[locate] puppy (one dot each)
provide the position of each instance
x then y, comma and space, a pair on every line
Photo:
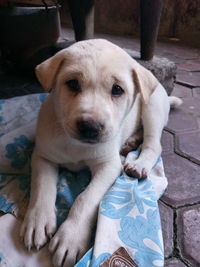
100, 97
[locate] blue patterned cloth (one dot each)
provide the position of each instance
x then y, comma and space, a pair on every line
128, 214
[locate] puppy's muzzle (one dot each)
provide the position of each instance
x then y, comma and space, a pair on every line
89, 131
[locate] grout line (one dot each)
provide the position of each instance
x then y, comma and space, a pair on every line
189, 87
180, 206
185, 84
177, 151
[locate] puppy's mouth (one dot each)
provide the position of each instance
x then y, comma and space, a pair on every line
89, 136
89, 141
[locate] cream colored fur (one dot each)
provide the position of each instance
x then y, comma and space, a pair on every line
97, 65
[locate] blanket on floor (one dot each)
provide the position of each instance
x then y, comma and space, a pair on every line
128, 218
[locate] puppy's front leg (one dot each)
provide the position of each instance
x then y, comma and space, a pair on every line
40, 219
72, 239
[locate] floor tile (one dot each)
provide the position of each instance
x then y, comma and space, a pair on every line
196, 92
180, 120
189, 65
191, 79
167, 142
183, 181
188, 223
174, 263
181, 91
191, 105
189, 145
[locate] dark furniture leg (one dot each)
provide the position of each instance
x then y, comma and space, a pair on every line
150, 12
82, 14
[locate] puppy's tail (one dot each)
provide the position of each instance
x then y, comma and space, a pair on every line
175, 101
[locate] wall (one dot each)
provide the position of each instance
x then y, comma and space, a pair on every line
180, 18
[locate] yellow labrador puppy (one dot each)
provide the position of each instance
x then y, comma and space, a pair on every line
100, 97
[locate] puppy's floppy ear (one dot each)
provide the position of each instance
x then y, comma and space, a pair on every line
47, 71
145, 82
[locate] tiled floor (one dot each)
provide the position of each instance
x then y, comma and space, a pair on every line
180, 205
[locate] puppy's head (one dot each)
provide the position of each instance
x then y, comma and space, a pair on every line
94, 84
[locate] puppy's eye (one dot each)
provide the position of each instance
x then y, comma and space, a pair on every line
73, 85
117, 90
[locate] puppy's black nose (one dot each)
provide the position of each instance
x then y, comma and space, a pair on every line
89, 129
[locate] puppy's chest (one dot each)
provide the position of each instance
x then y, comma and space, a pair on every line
67, 155
62, 153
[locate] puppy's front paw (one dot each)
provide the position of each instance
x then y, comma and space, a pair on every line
136, 169
39, 225
70, 243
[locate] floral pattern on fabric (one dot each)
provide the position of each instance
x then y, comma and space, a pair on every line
19, 152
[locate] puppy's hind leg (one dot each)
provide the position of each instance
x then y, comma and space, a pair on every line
132, 143
154, 117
